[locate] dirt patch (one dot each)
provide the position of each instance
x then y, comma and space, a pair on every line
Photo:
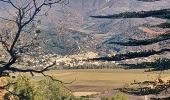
3, 81
88, 88
79, 94
150, 31
98, 91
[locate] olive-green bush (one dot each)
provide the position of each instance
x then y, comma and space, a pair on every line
24, 88
120, 96
48, 89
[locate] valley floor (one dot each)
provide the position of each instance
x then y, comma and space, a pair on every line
102, 82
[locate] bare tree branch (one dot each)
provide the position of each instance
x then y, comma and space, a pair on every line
25, 14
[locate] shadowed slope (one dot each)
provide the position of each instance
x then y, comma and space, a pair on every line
163, 14
131, 55
134, 42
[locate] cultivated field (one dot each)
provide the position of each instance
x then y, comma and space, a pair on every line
102, 80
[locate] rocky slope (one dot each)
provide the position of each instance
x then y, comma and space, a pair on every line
102, 31
83, 33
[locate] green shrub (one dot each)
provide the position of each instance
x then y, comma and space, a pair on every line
46, 89
21, 89
52, 90
105, 98
120, 96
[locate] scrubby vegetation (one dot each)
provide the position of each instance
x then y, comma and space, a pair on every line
23, 88
118, 96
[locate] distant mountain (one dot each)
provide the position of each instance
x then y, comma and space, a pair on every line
83, 33
100, 32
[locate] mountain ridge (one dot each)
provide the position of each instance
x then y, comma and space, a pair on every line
94, 34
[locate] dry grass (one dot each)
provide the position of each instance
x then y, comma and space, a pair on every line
96, 79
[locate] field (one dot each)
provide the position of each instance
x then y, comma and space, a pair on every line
101, 81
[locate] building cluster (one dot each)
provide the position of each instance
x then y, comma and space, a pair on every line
76, 61
68, 61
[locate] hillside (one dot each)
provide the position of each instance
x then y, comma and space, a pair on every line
100, 32
83, 33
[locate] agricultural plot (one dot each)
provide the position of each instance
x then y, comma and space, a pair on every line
102, 80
